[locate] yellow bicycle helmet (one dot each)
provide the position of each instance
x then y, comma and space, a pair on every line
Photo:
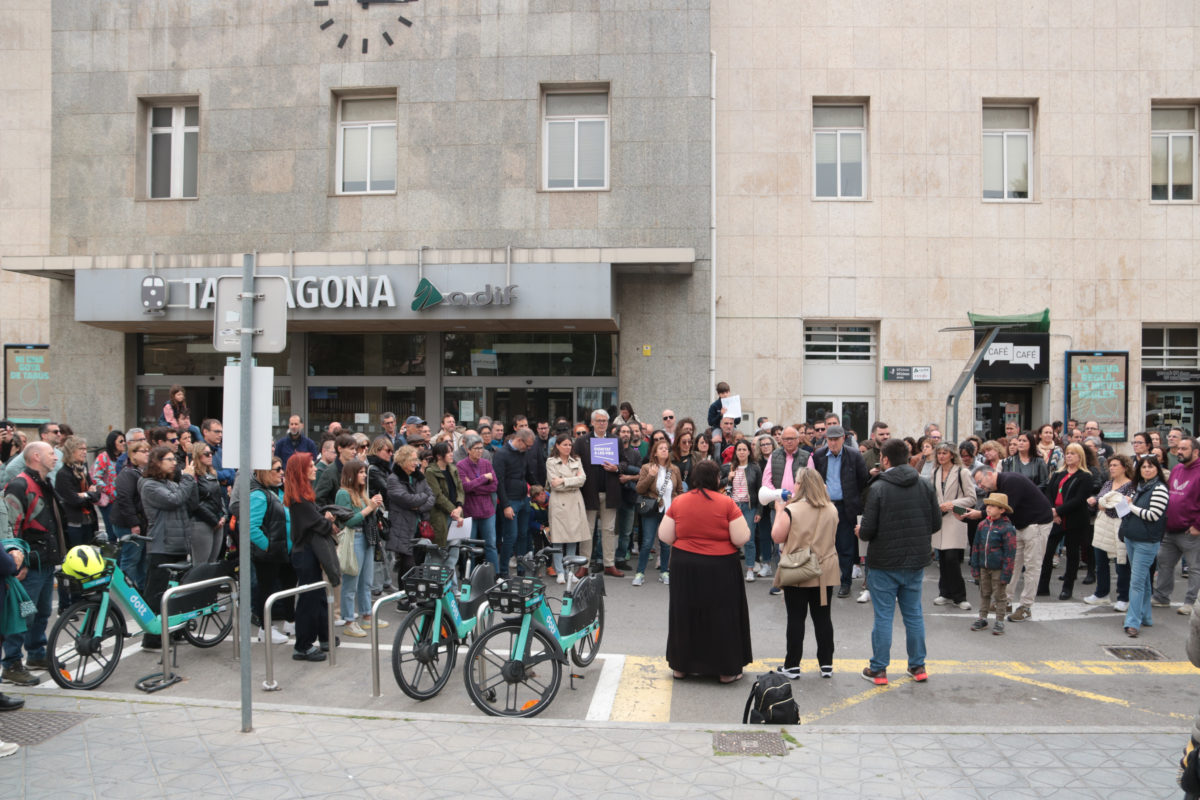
83, 562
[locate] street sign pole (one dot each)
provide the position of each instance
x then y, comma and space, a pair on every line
243, 487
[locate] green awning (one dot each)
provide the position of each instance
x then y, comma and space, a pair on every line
1037, 322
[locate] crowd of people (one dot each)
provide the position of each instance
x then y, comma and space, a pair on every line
669, 497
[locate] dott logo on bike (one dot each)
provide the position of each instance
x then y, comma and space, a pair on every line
140, 606
427, 296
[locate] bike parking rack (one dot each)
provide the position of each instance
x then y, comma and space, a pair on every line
387, 598
157, 681
269, 684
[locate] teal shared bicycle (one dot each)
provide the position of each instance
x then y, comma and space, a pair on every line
426, 644
86, 641
515, 668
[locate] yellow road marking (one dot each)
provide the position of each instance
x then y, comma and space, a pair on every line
1086, 695
1048, 667
645, 691
853, 700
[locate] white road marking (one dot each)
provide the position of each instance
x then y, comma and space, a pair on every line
600, 709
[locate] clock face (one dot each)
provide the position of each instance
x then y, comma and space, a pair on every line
380, 11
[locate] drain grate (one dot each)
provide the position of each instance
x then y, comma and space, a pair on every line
1135, 652
749, 744
35, 727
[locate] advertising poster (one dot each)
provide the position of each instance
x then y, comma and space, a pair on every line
27, 383
1097, 388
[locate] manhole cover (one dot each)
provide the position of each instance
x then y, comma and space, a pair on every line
35, 727
1135, 653
749, 744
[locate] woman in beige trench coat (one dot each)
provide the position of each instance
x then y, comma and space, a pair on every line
954, 486
568, 517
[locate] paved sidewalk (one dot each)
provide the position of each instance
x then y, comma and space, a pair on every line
174, 747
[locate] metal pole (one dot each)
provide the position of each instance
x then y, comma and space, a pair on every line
243, 488
269, 684
375, 639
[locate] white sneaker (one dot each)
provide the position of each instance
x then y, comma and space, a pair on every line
1120, 605
639, 579
1092, 600
766, 571
289, 628
276, 636
339, 622
791, 673
8, 748
560, 578
864, 597
354, 629
665, 579
856, 573
940, 601
964, 605
1184, 610
750, 576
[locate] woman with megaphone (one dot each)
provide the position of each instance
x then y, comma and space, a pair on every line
805, 528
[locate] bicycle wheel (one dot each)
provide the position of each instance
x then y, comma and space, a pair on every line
584, 651
502, 687
212, 628
420, 665
78, 658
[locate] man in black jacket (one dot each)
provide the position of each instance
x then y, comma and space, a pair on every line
846, 475
899, 517
631, 466
601, 494
1032, 517
513, 477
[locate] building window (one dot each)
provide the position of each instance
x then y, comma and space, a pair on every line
839, 151
843, 344
575, 140
1170, 348
1007, 152
366, 160
174, 149
1172, 153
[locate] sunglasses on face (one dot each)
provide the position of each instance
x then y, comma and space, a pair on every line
276, 469
668, 416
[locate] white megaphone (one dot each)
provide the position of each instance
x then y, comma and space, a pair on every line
768, 496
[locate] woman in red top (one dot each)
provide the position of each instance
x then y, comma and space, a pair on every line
708, 629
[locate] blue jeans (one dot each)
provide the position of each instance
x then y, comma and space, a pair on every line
749, 549
765, 548
356, 589
39, 584
888, 587
132, 559
625, 515
1141, 556
513, 533
485, 528
650, 523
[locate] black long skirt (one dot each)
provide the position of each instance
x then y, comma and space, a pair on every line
708, 622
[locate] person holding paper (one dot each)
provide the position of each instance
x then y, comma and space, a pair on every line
601, 493
1142, 529
448, 492
714, 411
1105, 542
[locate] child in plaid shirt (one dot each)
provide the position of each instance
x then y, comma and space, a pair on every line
992, 561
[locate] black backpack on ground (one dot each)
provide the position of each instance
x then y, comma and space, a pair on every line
771, 702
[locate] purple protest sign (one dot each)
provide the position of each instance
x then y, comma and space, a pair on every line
604, 451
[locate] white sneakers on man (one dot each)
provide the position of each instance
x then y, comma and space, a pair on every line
1092, 600
864, 597
276, 636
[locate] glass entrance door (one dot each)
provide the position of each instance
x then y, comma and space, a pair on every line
469, 403
997, 405
855, 413
1171, 406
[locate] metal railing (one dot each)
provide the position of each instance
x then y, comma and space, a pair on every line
153, 683
269, 684
387, 598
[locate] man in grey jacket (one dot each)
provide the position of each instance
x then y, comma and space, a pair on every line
899, 517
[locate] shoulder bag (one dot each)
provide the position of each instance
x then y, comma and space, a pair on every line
798, 566
347, 558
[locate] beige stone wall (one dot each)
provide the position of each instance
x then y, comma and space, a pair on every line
923, 248
24, 165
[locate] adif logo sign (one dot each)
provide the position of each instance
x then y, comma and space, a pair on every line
1030, 354
427, 296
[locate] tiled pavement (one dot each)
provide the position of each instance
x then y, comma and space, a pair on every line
171, 748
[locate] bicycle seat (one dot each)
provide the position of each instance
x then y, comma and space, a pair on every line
483, 577
575, 561
178, 566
